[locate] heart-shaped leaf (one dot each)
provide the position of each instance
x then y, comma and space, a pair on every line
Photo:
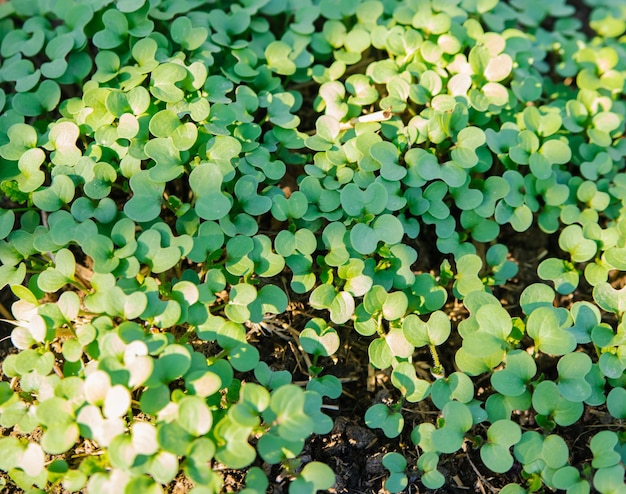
114, 32
501, 435
545, 327
53, 198
22, 137
45, 98
405, 379
609, 298
318, 338
189, 37
573, 368
163, 82
206, 181
513, 379
434, 332
380, 416
145, 204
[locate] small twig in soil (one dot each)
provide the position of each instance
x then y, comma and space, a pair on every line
58, 371
479, 484
459, 483
297, 355
269, 329
371, 379
85, 455
349, 395
480, 478
420, 412
296, 337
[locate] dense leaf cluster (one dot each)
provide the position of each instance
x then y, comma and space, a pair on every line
165, 163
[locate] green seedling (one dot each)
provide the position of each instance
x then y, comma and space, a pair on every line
396, 464
340, 304
380, 416
456, 421
562, 273
514, 379
550, 334
318, 339
615, 403
572, 383
431, 477
256, 481
501, 435
458, 386
315, 476
485, 344
542, 458
404, 378
553, 408
609, 299
603, 446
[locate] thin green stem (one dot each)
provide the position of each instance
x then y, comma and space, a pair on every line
437, 370
379, 325
80, 285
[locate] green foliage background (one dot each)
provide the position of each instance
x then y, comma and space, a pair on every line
164, 164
